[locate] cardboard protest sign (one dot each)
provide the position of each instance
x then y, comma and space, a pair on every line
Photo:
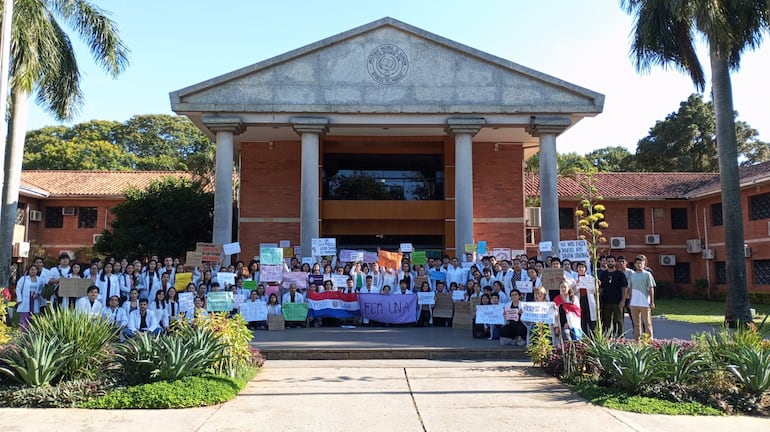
552, 278
537, 312
219, 301
419, 258
443, 307
271, 273
294, 311
418, 281
390, 260
254, 311
193, 259
297, 278
73, 287
276, 322
324, 246
208, 248
426, 298
463, 316
270, 255
490, 314
181, 280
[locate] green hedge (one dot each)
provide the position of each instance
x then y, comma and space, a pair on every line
191, 391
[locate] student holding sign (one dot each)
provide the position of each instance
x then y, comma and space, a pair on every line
514, 331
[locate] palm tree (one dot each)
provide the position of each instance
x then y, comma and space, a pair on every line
43, 61
664, 34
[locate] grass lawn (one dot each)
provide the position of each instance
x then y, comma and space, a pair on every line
698, 311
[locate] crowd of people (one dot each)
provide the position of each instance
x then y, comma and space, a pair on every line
143, 296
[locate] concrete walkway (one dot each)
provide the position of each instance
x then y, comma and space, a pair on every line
384, 395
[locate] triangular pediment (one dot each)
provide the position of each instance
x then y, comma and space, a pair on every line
387, 67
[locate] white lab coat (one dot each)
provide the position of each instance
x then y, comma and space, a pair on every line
84, 305
25, 287
110, 280
135, 319
117, 316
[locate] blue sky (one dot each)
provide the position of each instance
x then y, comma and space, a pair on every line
177, 43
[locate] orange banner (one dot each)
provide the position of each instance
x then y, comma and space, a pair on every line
391, 260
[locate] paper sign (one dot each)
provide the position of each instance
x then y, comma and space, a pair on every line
226, 279
437, 275
443, 306
406, 247
297, 278
426, 298
347, 255
370, 257
294, 311
587, 283
340, 281
261, 245
220, 301
511, 314
324, 246
490, 314
524, 287
272, 289
467, 265
390, 260
308, 260
288, 253
276, 322
186, 302
73, 287
231, 248
517, 252
501, 253
249, 285
271, 273
298, 251
482, 247
458, 295
545, 246
208, 248
181, 280
238, 300
254, 311
470, 248
537, 312
193, 259
284, 244
574, 250
552, 278
271, 255
419, 258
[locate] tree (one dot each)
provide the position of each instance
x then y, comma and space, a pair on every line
166, 219
664, 34
686, 141
80, 155
612, 159
43, 60
568, 163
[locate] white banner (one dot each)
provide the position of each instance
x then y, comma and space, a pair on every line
254, 311
574, 250
324, 246
490, 314
537, 312
524, 287
426, 298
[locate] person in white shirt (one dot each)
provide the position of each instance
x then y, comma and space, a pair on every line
108, 283
403, 288
369, 287
568, 272
63, 270
142, 321
455, 273
504, 276
115, 314
150, 280
90, 304
28, 289
293, 296
158, 307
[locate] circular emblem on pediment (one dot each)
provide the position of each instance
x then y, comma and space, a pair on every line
387, 64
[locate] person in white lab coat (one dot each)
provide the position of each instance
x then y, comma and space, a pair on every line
90, 304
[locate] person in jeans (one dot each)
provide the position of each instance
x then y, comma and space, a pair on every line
641, 291
612, 298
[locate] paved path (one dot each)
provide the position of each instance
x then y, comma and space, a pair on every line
384, 395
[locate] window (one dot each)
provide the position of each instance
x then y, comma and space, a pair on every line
682, 273
53, 217
635, 218
761, 272
678, 218
759, 206
716, 214
721, 272
87, 217
566, 218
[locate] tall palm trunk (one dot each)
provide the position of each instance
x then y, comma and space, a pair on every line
14, 154
737, 305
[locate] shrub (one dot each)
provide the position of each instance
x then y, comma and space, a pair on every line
569, 361
90, 336
678, 364
65, 395
233, 333
5, 334
539, 349
634, 366
37, 361
751, 369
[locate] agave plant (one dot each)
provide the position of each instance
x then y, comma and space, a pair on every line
751, 369
634, 366
37, 361
679, 365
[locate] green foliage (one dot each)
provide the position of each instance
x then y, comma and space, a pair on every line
166, 219
187, 392
633, 367
66, 394
35, 360
236, 337
89, 335
540, 347
612, 159
191, 351
5, 334
680, 365
614, 399
751, 369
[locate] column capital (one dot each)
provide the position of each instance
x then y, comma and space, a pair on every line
224, 124
464, 125
316, 125
539, 125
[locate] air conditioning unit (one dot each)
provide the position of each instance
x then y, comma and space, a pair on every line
652, 239
96, 238
68, 211
21, 249
694, 246
533, 216
707, 254
746, 251
617, 242
668, 260
35, 215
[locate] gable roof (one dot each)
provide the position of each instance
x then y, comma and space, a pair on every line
631, 186
96, 184
334, 75
749, 175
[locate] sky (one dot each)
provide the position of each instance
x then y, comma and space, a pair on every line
176, 43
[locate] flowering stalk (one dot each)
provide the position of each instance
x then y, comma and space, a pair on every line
591, 222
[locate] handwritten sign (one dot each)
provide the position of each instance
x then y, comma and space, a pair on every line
271, 272
340, 281
443, 306
347, 255
458, 295
437, 275
537, 312
524, 287
426, 298
298, 278
324, 246
226, 279
193, 259
181, 280
249, 285
254, 311
406, 247
272, 289
552, 278
419, 258
470, 248
220, 301
73, 287
284, 243
271, 255
208, 248
511, 314
482, 247
490, 314
294, 311
231, 248
545, 246
370, 257
574, 250
186, 302
501, 253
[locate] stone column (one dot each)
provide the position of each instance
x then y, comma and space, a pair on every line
463, 130
310, 129
547, 128
224, 128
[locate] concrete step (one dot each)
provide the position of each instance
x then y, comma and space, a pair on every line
502, 353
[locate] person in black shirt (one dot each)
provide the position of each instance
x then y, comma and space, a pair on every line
612, 297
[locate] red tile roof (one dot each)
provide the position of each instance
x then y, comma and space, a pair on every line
754, 173
100, 184
630, 185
